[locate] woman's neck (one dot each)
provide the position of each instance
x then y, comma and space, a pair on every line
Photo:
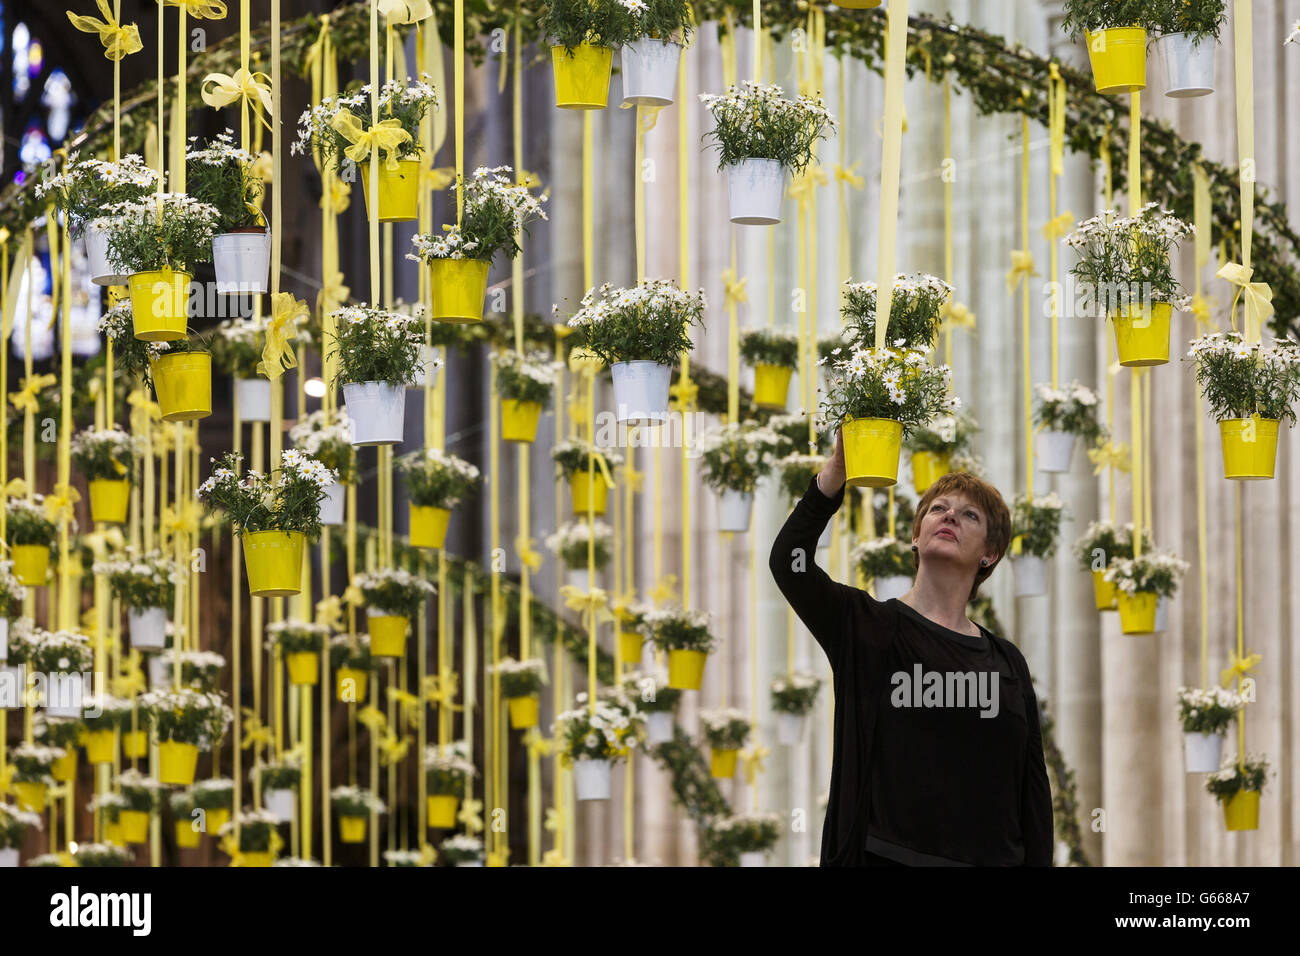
941, 596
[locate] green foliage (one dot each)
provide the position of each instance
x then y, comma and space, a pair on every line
889, 384
130, 355
1249, 774
282, 775
350, 651
734, 456
140, 580
437, 479
187, 716
677, 629
1037, 522
355, 802
221, 175
796, 471
1239, 380
645, 323
884, 557
528, 378
914, 312
519, 678
394, 591
1103, 540
407, 102
497, 210
217, 793
286, 500
770, 347
727, 837
795, 693
103, 454
328, 439
235, 350
570, 23
1124, 262
755, 121
1208, 710
161, 231
1082, 16
25, 522
13, 826
946, 435
85, 188
294, 636
574, 455
372, 345
1071, 409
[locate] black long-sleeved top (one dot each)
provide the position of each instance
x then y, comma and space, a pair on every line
924, 785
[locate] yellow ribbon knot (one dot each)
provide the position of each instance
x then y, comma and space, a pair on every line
594, 602
957, 315
684, 399
1022, 267
538, 746
392, 748
803, 184
27, 399
337, 193
438, 177
1201, 311
385, 136
1056, 228
1238, 666
636, 479
333, 294
200, 9
441, 693
329, 612
128, 684
102, 541
752, 760
733, 289
409, 704
404, 11
255, 734
531, 559
1259, 297
1108, 454
428, 855
180, 521
665, 590
553, 821
58, 506
849, 175
373, 719
469, 814
17, 488
119, 41
354, 596
277, 352
254, 88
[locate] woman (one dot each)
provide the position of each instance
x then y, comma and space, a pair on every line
938, 757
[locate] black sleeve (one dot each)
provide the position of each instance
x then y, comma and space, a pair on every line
1036, 794
821, 603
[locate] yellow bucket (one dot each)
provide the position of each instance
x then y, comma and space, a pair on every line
176, 762
457, 288
1104, 591
109, 499
274, 562
183, 383
523, 711
685, 669
871, 450
356, 690
722, 763
65, 768
387, 635
1119, 59
1145, 342
519, 420
928, 467
135, 826
160, 304
429, 526
187, 838
303, 667
1249, 447
629, 643
31, 796
1241, 811
858, 4
216, 819
771, 385
1137, 612
31, 563
442, 810
589, 494
399, 190
582, 79
99, 746
255, 858
352, 829
113, 833
135, 744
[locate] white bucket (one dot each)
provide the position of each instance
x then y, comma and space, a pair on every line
659, 727
641, 392
8, 858
4, 638
331, 507
734, 508
1030, 574
148, 626
892, 586
758, 858
577, 578
650, 71
377, 411
242, 261
1162, 615
1202, 752
254, 398
281, 803
426, 372
63, 695
755, 188
471, 863
161, 668
96, 239
1188, 66
1054, 450
591, 779
13, 686
789, 728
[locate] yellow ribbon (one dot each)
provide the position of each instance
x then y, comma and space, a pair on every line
353, 595
386, 136
956, 315
373, 718
530, 557
128, 684
636, 479
1237, 666
200, 9
329, 612
1022, 267
58, 506
1108, 454
17, 488
439, 695
538, 746
1201, 311
336, 193
469, 815
223, 89
595, 602
408, 703
27, 400
392, 748
1056, 228
404, 11
665, 589
1259, 297
278, 352
752, 760
733, 289
623, 607
119, 41
553, 820
438, 177
333, 294
182, 521
143, 410
255, 733
684, 395
849, 175
101, 542
428, 855
803, 184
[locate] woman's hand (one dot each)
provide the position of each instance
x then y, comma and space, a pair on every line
831, 478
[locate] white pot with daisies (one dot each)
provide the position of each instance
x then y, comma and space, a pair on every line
793, 698
570, 543
1187, 40
1064, 414
237, 353
376, 352
1206, 715
888, 563
733, 457
222, 175
655, 702
763, 138
593, 739
639, 333
145, 583
744, 838
327, 437
1035, 525
652, 34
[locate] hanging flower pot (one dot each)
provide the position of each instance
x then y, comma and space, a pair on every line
1249, 447
429, 526
352, 829
147, 627
659, 727
255, 858
629, 645
771, 385
350, 685
582, 76
1142, 334
1241, 812
591, 779
685, 669
1162, 615
1103, 591
441, 810
63, 695
187, 838
377, 411
162, 670
589, 494
304, 668
399, 190
387, 634
31, 796
641, 391
649, 68
722, 763
1188, 64
1030, 575
789, 728
242, 260
519, 420
734, 508
99, 746
109, 499
160, 304
523, 711
177, 762
135, 744
331, 506
1119, 59
1202, 752
871, 450
755, 189
135, 826
101, 270
31, 563
757, 857
927, 468
253, 396
218, 817
273, 560
1137, 611
65, 768
183, 384
1054, 450
457, 288
281, 801
892, 586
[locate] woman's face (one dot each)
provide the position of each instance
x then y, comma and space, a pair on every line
954, 530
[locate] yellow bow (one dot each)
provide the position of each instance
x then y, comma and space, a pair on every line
373, 718
554, 857
1259, 297
392, 748
752, 759
684, 395
58, 506
1238, 666
408, 703
849, 175
277, 352
386, 136
594, 602
26, 400
200, 9
733, 289
531, 559
1056, 228
1022, 267
354, 596
634, 479
255, 734
119, 41
440, 693
339, 194
404, 11
428, 855
316, 51
329, 611
1201, 311
180, 521
553, 820
439, 177
956, 315
665, 590
802, 184
143, 411
538, 746
128, 684
17, 488
222, 89
496, 858
469, 815
102, 541
623, 607
333, 294
1107, 454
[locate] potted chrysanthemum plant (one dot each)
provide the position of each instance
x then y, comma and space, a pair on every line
145, 583
143, 796
1064, 414
101, 854
576, 460
1035, 524
685, 635
592, 737
353, 806
744, 838
181, 372
1237, 785
887, 562
1101, 544
280, 780
762, 138
915, 312
1116, 35
187, 721
496, 210
639, 333
524, 385
1124, 274
12, 595
582, 35
222, 175
327, 436
436, 481
733, 457
350, 658
726, 730
103, 716
1249, 388
655, 703
182, 806
30, 536
1140, 583
104, 457
937, 446
216, 798
32, 779
274, 515
14, 824
258, 840
461, 850
447, 770
570, 544
65, 658
392, 596
793, 697
132, 357
64, 733
651, 34
236, 352
377, 353
521, 683
300, 643
1206, 714
201, 669
774, 354
1187, 36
